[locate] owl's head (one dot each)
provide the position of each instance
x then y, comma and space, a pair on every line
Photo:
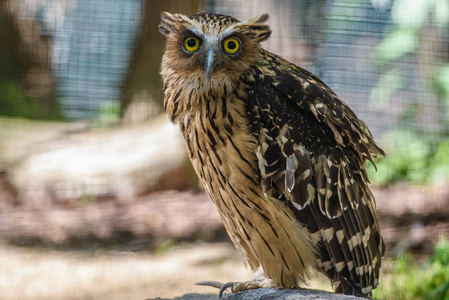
210, 45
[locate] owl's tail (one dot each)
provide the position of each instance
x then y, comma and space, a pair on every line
345, 287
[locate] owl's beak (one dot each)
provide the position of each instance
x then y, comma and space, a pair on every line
210, 63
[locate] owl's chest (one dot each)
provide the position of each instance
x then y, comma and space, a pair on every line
222, 151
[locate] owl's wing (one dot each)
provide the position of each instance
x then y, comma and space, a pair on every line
312, 153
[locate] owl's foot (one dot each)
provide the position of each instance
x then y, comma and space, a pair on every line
233, 286
257, 281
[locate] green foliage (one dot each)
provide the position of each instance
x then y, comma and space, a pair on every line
167, 245
388, 84
410, 157
439, 163
408, 17
395, 45
109, 114
441, 85
15, 103
407, 280
13, 100
412, 154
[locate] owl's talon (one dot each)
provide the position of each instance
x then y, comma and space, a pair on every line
224, 287
215, 284
259, 280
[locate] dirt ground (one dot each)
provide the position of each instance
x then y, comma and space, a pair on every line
38, 274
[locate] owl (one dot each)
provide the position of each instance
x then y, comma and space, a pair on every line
280, 155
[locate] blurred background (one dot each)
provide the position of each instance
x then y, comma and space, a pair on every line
97, 196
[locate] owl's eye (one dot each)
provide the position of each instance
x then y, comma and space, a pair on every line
231, 45
191, 44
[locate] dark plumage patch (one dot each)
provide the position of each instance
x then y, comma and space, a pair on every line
292, 109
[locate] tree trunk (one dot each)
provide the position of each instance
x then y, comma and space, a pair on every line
142, 89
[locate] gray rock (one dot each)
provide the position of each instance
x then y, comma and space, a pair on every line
270, 294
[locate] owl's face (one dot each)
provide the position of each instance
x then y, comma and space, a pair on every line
211, 46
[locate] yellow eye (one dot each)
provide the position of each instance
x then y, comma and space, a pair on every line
191, 43
231, 45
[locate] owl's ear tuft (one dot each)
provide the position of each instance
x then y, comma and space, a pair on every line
255, 29
167, 20
259, 19
172, 23
257, 32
